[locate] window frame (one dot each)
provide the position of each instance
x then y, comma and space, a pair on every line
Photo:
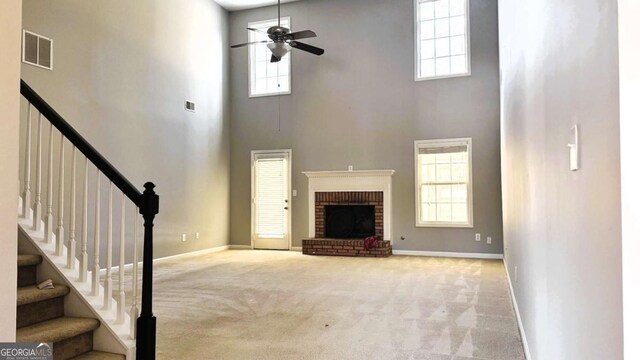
256, 24
416, 40
24, 44
419, 144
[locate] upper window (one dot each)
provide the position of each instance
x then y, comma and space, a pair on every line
267, 78
442, 36
443, 183
37, 50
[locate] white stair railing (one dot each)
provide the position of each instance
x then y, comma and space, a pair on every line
42, 214
85, 266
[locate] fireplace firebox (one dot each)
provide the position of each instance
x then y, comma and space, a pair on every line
350, 221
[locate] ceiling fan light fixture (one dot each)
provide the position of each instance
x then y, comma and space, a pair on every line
279, 49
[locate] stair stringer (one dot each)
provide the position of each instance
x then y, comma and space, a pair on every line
111, 336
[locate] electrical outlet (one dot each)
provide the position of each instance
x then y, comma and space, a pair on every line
197, 235
184, 237
478, 237
295, 192
489, 240
516, 271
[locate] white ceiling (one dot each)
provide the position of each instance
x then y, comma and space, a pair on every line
234, 5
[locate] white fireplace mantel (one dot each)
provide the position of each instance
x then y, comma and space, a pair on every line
356, 180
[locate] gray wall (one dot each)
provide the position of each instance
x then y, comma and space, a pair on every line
122, 70
9, 111
559, 62
359, 105
628, 29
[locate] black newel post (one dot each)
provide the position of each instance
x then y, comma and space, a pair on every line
146, 325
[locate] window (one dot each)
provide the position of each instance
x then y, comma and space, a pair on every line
444, 183
267, 78
37, 50
442, 39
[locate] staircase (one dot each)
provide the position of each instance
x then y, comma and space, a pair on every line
55, 222
41, 319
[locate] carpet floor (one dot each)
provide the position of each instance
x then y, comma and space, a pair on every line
276, 305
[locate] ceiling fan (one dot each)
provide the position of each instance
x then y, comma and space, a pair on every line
282, 40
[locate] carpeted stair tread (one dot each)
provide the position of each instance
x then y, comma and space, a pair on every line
31, 294
56, 330
99, 355
29, 260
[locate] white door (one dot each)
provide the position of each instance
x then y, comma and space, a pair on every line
270, 199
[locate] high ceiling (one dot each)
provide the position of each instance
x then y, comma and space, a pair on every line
234, 5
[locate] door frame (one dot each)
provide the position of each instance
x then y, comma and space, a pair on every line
289, 153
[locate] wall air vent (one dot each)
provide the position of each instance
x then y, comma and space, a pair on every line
190, 106
37, 50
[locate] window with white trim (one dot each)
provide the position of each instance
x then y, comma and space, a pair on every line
37, 50
267, 78
444, 183
442, 39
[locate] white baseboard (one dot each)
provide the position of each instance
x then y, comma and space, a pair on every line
448, 254
240, 247
525, 344
296, 248
172, 257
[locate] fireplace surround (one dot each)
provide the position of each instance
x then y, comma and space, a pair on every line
351, 192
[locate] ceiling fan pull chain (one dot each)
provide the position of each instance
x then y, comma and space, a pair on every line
278, 13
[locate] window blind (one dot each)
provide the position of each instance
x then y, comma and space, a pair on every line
270, 197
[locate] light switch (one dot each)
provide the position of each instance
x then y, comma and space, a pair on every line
295, 192
574, 147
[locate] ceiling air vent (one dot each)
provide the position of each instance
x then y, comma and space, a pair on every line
37, 50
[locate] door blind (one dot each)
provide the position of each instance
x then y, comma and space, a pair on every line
270, 175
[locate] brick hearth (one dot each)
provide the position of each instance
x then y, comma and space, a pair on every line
335, 247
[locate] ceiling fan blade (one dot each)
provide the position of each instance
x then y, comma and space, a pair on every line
247, 44
301, 35
305, 47
275, 59
257, 30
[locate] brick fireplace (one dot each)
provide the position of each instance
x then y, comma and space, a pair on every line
355, 198
344, 208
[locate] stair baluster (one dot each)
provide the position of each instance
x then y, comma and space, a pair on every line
71, 250
134, 281
60, 229
26, 194
37, 205
108, 282
95, 275
121, 295
48, 219
84, 257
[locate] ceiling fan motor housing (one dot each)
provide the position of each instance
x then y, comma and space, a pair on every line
277, 32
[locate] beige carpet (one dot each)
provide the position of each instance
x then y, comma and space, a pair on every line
283, 305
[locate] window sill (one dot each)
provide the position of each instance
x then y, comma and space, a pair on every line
445, 225
419, 79
269, 94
